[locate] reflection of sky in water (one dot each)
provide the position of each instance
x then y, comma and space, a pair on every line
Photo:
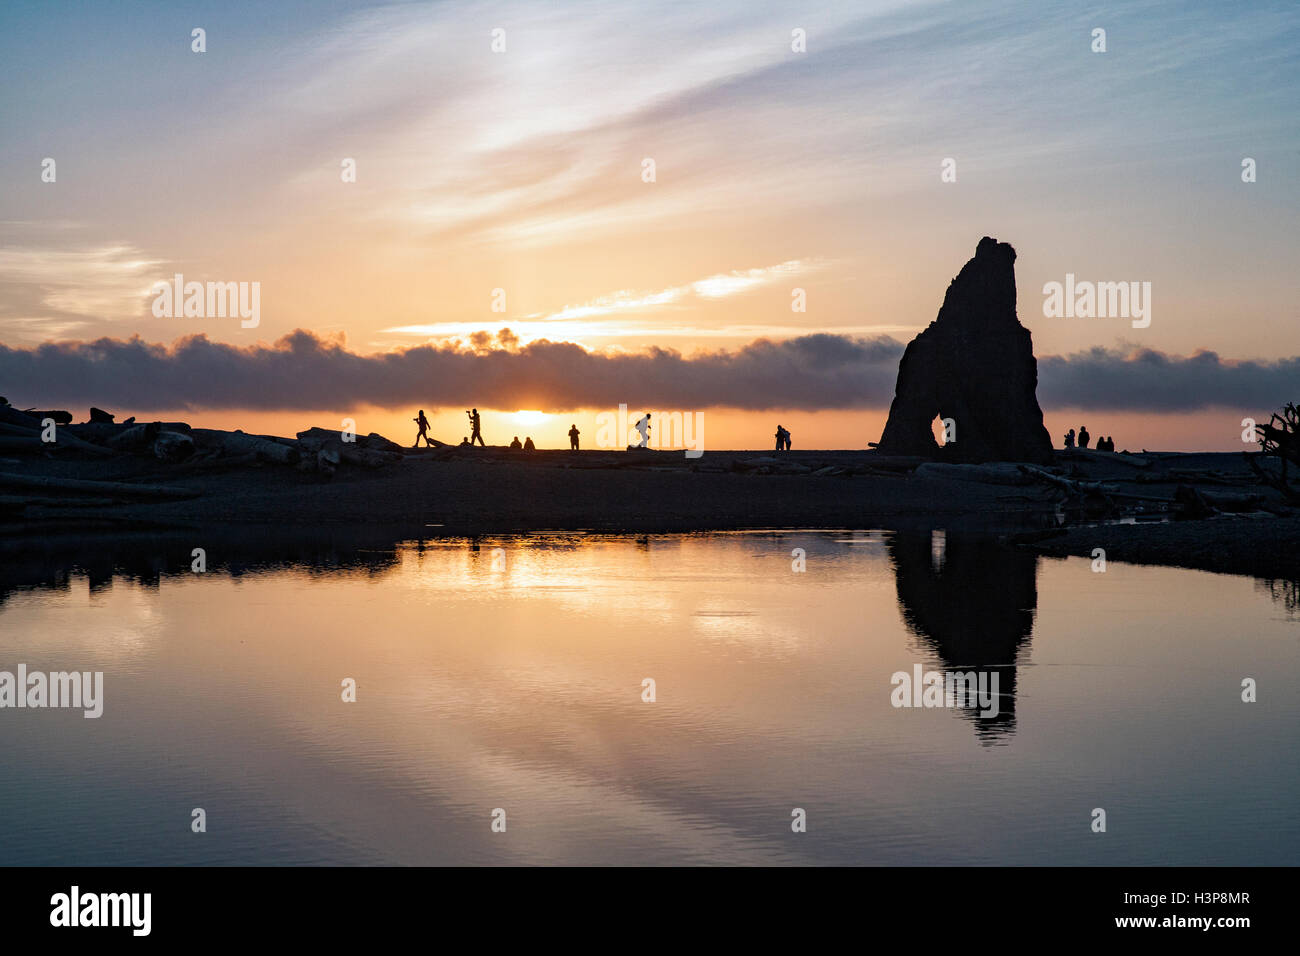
518, 685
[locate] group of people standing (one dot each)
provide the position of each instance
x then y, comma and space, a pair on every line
476, 433
782, 439
1105, 443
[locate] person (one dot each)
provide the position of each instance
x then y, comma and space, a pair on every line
423, 424
573, 437
787, 438
1069, 438
782, 439
475, 423
643, 426
1083, 436
514, 445
528, 444
464, 442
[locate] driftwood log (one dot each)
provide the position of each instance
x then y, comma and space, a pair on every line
239, 443
63, 439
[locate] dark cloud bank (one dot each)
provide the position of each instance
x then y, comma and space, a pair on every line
302, 371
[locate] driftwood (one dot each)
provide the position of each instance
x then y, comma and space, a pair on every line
98, 415
314, 437
173, 446
895, 462
238, 443
328, 457
996, 473
107, 489
58, 416
1075, 454
135, 437
101, 432
1274, 481
1069, 484
12, 416
63, 439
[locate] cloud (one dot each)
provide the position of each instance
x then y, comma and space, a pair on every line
821, 371
1147, 380
618, 304
106, 281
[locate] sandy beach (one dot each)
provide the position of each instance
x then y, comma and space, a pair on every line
466, 492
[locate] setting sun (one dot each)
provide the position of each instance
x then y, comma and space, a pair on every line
529, 417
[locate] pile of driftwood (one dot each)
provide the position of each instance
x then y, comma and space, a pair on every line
184, 449
1280, 439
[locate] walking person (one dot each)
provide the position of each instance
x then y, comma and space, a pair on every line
423, 424
475, 422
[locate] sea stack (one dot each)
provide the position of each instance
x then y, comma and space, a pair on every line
975, 365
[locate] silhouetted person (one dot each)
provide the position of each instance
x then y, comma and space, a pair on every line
514, 445
787, 438
782, 439
475, 423
643, 426
423, 424
528, 444
1110, 443
464, 442
573, 437
1083, 436
1069, 438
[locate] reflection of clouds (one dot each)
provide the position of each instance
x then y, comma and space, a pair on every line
124, 622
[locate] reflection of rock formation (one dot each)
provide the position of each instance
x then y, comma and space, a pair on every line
975, 365
973, 607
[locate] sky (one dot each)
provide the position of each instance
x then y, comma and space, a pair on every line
500, 246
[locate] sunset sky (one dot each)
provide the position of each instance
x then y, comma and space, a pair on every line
521, 171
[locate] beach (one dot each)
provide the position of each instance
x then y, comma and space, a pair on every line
468, 492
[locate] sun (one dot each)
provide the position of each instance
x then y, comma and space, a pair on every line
529, 417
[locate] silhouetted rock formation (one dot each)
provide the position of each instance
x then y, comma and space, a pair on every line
975, 365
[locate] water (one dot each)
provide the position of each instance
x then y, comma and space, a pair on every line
512, 679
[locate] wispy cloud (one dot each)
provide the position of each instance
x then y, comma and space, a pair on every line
72, 284
576, 321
